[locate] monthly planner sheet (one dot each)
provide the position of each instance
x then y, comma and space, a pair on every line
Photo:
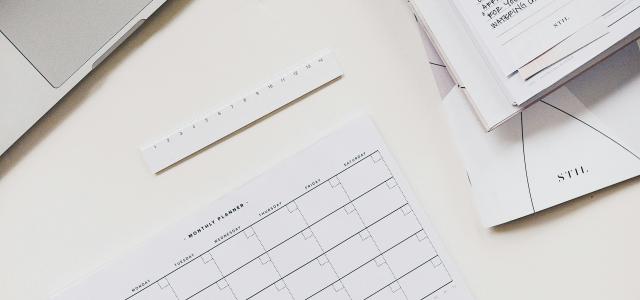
336, 221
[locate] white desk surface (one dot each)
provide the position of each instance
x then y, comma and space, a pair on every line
75, 194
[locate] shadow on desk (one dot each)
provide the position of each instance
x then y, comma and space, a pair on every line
65, 107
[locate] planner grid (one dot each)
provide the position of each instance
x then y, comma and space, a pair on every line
352, 236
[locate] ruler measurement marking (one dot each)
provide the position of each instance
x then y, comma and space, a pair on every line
242, 111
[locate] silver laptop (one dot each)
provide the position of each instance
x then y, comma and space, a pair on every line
48, 46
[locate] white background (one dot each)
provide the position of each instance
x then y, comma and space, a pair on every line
75, 194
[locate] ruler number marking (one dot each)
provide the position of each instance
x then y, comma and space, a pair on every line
164, 156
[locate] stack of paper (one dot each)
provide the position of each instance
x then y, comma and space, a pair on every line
509, 54
575, 141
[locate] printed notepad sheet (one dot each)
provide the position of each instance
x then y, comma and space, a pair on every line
336, 221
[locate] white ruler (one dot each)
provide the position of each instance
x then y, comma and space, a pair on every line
242, 111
